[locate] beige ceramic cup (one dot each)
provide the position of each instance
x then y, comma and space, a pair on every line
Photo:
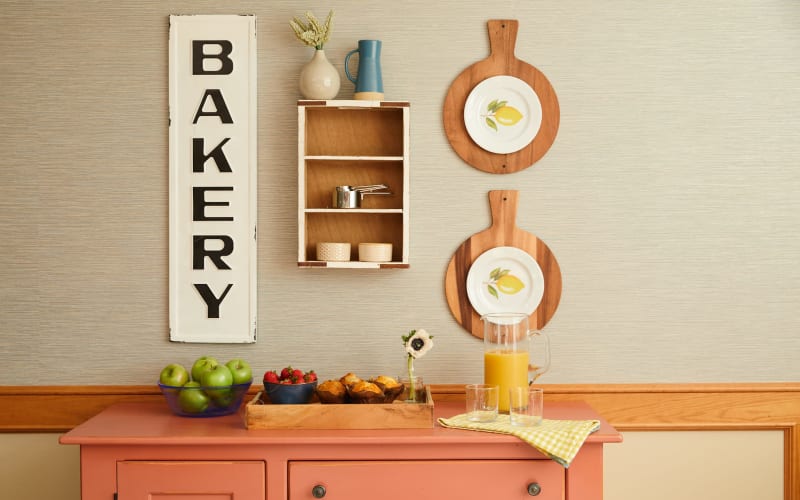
375, 252
333, 252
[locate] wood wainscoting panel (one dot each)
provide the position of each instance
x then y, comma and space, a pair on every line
628, 407
695, 465
60, 408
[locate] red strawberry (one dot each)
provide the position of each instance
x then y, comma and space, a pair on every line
310, 376
271, 377
297, 376
286, 373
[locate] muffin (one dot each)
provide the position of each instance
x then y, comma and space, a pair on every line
365, 392
391, 387
350, 379
331, 392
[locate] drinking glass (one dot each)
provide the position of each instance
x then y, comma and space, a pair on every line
482, 402
526, 404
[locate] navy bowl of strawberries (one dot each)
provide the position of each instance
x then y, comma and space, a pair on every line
290, 394
290, 386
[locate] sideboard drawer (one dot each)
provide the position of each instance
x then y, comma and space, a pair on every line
427, 480
141, 480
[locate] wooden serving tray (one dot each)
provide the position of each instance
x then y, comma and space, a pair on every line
397, 415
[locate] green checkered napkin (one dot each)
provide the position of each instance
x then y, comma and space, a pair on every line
558, 439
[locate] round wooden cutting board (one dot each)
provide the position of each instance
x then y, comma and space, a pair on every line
502, 233
501, 61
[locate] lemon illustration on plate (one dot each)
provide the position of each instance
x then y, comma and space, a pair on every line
502, 281
499, 112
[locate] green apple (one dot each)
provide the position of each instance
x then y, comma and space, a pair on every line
174, 374
241, 371
202, 365
192, 399
219, 376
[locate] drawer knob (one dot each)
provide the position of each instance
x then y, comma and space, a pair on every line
318, 491
534, 489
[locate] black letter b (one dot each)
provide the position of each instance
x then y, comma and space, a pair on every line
226, 64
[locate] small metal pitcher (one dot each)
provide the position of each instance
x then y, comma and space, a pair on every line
351, 196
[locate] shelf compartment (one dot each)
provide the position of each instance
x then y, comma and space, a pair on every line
322, 177
334, 131
347, 226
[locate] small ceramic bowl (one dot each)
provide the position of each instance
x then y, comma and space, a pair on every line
290, 394
375, 252
332, 251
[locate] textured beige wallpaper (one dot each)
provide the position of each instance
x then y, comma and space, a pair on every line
669, 196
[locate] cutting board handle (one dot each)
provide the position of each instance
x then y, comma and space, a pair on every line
503, 204
502, 38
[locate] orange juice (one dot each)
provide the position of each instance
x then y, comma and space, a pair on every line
505, 369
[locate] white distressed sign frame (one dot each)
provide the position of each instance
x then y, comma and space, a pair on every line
212, 178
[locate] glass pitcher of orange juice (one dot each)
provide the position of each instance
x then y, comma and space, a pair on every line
511, 357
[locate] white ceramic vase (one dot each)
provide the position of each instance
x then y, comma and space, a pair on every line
319, 79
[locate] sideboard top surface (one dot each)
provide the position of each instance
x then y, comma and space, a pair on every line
153, 423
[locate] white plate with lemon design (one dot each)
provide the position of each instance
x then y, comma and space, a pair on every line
505, 279
502, 114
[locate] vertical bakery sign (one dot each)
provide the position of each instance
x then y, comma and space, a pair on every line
212, 178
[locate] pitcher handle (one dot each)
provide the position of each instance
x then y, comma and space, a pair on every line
347, 65
538, 365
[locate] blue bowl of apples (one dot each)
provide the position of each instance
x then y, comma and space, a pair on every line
211, 389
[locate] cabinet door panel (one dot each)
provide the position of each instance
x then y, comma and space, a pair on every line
427, 480
138, 480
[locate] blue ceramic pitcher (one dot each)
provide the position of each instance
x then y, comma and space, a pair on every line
369, 82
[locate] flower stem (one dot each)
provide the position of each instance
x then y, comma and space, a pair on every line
412, 390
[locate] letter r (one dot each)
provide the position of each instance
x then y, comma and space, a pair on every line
201, 252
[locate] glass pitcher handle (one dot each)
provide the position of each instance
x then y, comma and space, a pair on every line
539, 354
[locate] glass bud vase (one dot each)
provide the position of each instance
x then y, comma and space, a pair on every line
413, 387
319, 79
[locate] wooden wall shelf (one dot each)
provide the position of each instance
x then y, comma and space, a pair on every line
353, 143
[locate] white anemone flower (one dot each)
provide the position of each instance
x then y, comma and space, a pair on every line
418, 342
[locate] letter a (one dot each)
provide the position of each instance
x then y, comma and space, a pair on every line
220, 108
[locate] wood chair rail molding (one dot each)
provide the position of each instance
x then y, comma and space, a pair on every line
628, 407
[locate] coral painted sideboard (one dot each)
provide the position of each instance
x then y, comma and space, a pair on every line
135, 451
